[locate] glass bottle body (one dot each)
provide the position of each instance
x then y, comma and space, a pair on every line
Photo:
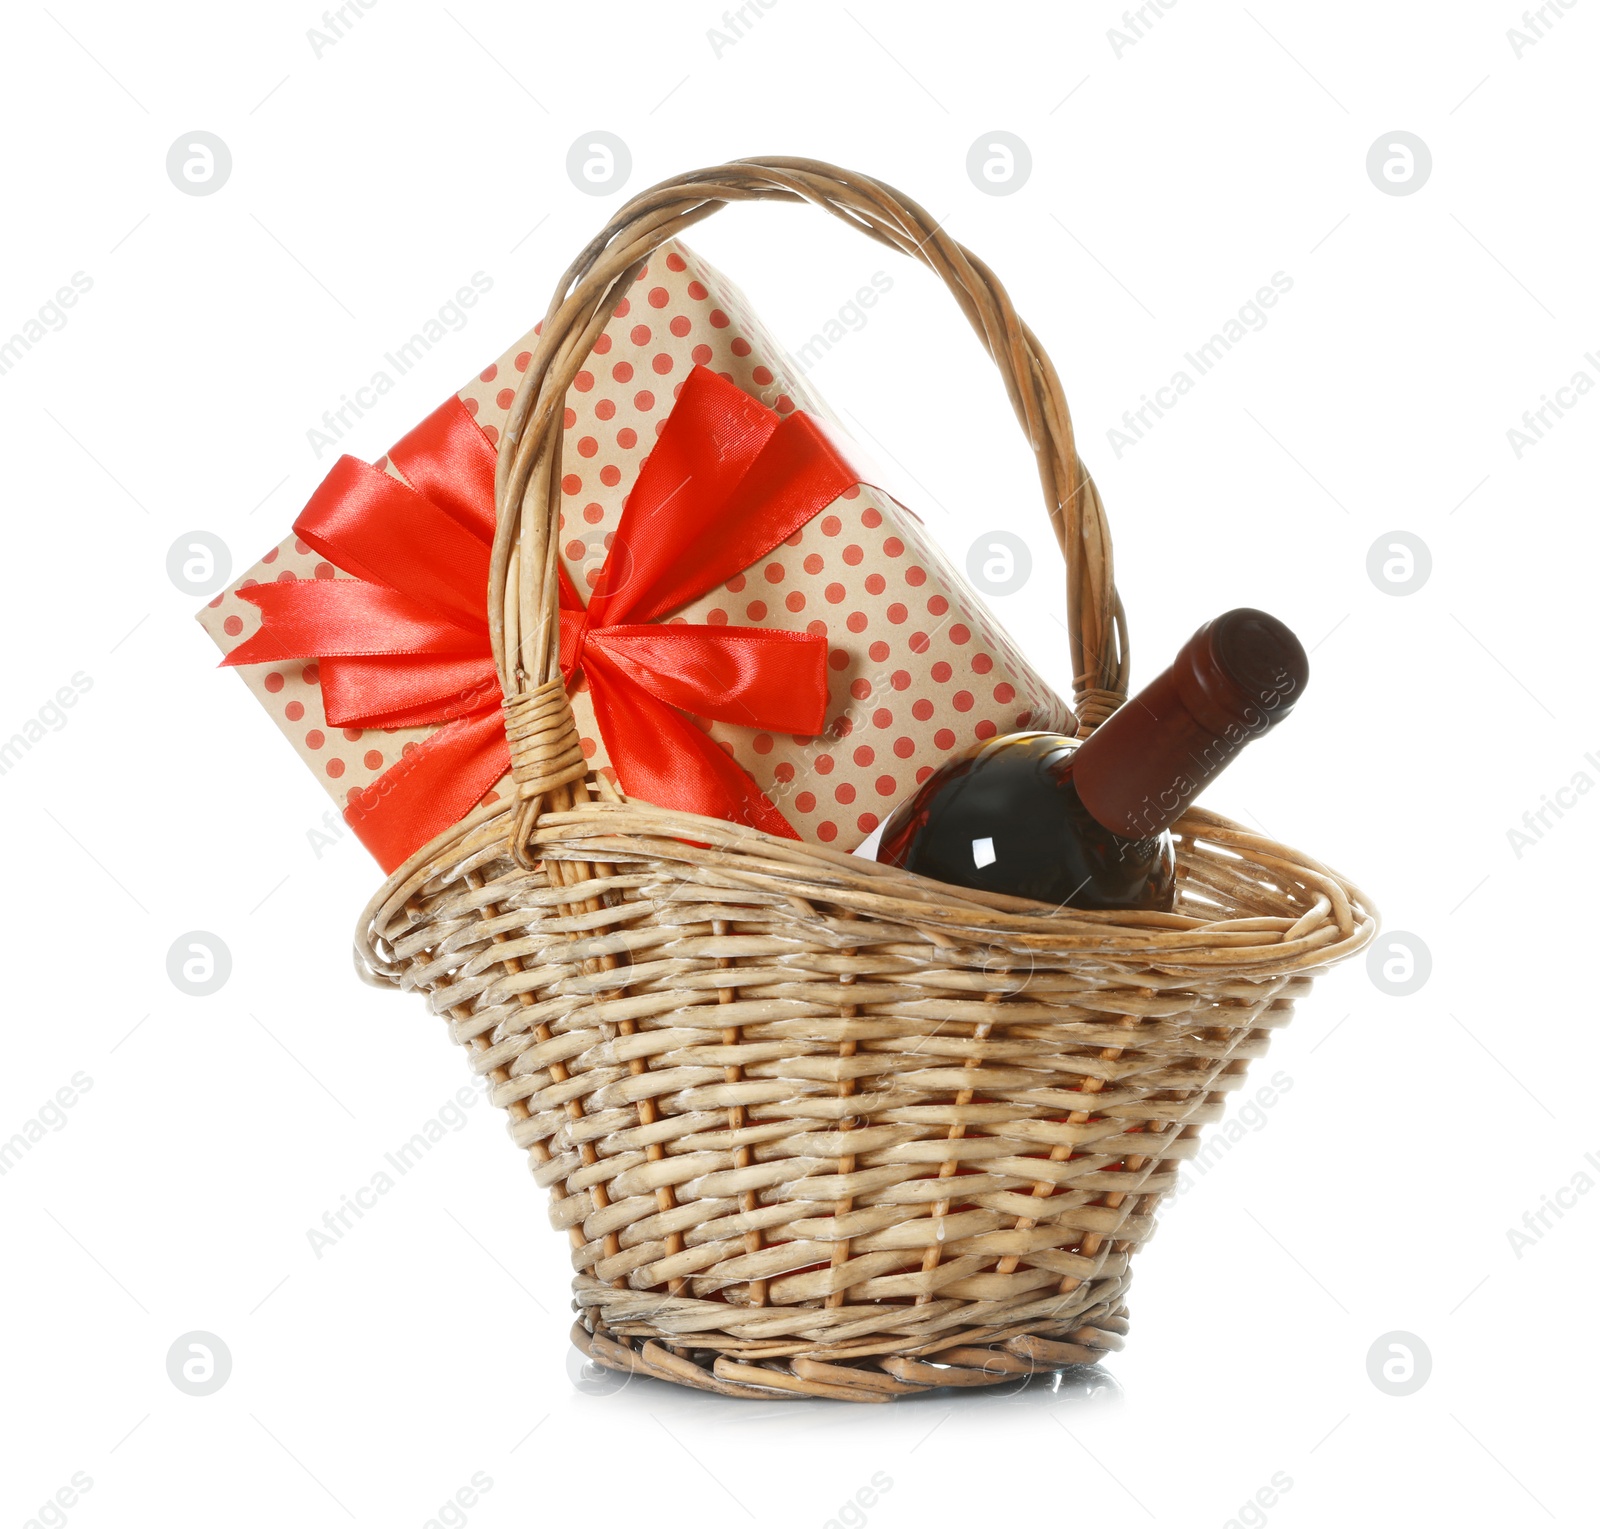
1006, 817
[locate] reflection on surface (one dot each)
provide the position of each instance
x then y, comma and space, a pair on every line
1082, 1385
1077, 1388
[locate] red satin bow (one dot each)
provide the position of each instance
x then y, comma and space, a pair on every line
405, 643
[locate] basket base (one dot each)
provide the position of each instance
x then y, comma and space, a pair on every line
965, 1360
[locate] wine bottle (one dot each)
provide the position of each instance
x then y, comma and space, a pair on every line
1086, 824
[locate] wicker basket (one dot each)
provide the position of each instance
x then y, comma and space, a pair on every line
814, 1124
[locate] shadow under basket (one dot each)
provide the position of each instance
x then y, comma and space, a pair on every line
812, 1124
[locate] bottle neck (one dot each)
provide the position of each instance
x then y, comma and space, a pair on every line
1236, 678
1140, 769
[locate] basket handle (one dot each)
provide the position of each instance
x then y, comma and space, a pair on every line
524, 620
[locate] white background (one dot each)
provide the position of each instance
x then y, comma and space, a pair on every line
1170, 179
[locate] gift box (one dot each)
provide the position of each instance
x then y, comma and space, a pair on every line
833, 671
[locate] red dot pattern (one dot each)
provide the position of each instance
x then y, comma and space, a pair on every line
916, 666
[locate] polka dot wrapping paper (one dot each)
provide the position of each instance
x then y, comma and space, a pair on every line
917, 668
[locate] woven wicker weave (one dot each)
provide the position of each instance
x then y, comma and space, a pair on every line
813, 1124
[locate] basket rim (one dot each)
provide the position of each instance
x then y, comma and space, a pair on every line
1340, 920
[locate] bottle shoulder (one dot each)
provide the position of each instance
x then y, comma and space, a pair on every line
1007, 817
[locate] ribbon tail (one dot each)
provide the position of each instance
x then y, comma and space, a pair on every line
321, 618
431, 787
406, 691
661, 757
742, 674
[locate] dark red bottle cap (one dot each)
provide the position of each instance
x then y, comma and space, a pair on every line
1245, 669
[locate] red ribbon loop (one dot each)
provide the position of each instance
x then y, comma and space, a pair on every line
404, 643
